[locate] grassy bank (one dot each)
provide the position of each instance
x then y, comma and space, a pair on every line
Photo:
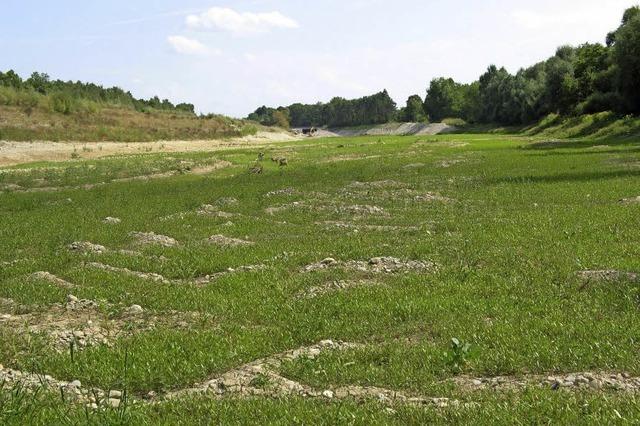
115, 124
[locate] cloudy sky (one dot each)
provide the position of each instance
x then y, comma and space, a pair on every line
232, 56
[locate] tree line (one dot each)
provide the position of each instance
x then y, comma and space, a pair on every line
586, 79
68, 96
338, 112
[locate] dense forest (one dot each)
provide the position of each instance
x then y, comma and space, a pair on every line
339, 112
578, 80
67, 97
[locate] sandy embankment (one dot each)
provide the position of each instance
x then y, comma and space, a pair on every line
13, 153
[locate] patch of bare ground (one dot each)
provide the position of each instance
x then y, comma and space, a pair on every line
82, 323
222, 241
210, 210
12, 153
366, 227
262, 378
631, 200
282, 192
362, 210
92, 398
151, 238
149, 276
196, 170
573, 382
448, 144
414, 166
333, 287
349, 157
11, 263
445, 164
380, 184
277, 209
608, 275
374, 265
86, 247
158, 278
213, 211
50, 278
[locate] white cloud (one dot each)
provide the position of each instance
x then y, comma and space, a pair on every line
239, 23
188, 46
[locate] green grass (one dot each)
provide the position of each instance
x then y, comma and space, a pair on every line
525, 218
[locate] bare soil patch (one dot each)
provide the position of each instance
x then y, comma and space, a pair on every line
385, 264
151, 238
12, 153
333, 287
222, 241
262, 378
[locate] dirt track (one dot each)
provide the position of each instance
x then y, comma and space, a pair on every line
13, 153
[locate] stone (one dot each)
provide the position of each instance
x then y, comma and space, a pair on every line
328, 394
112, 220
134, 310
114, 402
115, 394
75, 384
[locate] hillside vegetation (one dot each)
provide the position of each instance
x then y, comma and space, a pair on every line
41, 109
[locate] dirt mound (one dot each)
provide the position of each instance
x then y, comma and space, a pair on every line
49, 277
150, 238
86, 247
384, 264
632, 200
333, 287
222, 241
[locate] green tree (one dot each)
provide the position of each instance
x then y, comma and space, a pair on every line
444, 99
626, 57
413, 112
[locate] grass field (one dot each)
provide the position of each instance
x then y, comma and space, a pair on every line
388, 247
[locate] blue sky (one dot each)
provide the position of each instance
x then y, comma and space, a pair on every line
232, 56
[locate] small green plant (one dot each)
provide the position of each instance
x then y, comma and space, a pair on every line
261, 381
458, 355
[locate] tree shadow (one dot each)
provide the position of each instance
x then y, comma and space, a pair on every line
566, 177
546, 153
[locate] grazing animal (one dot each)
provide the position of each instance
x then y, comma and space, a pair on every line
260, 156
283, 162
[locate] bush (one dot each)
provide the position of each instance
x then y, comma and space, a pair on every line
457, 122
599, 102
62, 103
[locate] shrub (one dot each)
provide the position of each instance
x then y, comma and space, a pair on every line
62, 103
457, 122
